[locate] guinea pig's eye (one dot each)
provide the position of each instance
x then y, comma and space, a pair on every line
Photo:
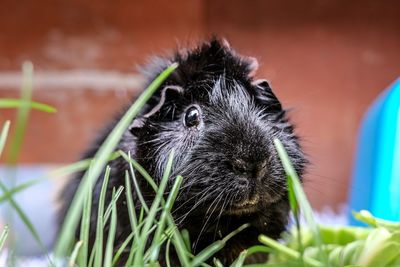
192, 116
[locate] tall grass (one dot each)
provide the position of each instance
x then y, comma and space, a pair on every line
24, 104
153, 226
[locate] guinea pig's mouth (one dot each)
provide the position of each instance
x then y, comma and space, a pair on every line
247, 206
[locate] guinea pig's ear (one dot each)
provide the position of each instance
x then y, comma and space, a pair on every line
139, 122
261, 83
266, 96
252, 65
225, 44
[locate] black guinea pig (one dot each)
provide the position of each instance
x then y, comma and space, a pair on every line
221, 123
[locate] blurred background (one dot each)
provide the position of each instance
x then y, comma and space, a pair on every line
325, 59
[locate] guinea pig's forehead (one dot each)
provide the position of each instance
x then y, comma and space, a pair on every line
229, 92
220, 91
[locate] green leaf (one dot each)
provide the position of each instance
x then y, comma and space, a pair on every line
367, 218
380, 248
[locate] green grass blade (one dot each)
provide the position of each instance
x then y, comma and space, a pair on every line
138, 260
110, 205
98, 260
3, 236
257, 249
78, 166
217, 263
296, 185
179, 244
84, 231
186, 239
133, 163
24, 219
17, 103
137, 188
111, 233
135, 244
23, 112
209, 251
155, 246
92, 254
240, 259
132, 216
3, 136
367, 218
10, 192
233, 233
288, 252
301, 197
101, 157
121, 249
74, 254
167, 251
129, 201
63, 171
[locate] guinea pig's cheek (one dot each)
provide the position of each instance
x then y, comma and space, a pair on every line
270, 192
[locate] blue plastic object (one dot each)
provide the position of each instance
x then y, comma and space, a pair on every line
376, 177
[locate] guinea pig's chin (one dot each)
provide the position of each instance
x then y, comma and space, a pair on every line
252, 204
246, 206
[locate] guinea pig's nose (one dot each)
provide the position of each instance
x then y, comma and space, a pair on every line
240, 166
250, 169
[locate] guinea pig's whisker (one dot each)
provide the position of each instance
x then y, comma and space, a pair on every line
220, 214
155, 140
205, 195
192, 197
216, 201
232, 200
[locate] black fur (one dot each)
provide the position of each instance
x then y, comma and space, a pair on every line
228, 160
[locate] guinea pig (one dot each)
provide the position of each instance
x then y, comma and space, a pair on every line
221, 122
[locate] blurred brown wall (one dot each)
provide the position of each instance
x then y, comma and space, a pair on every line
326, 59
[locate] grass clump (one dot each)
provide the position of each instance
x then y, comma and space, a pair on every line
315, 245
153, 226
